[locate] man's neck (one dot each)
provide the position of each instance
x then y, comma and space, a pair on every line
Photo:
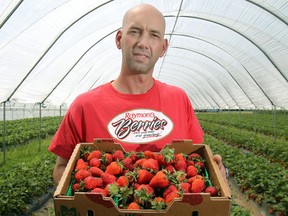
133, 84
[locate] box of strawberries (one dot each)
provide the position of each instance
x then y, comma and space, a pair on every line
102, 179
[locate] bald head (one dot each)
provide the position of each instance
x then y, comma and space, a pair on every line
149, 11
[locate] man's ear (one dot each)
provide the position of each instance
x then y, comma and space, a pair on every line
165, 47
118, 39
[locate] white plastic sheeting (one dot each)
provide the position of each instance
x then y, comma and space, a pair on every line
226, 54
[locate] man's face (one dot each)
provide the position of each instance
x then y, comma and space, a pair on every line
142, 41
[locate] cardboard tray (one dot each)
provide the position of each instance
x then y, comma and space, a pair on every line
201, 204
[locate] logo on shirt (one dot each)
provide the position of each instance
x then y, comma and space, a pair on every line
140, 126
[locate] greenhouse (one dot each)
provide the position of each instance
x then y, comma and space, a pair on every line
229, 57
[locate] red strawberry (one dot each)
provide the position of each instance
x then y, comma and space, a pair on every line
180, 165
159, 180
169, 189
118, 155
200, 164
106, 158
151, 164
191, 179
191, 171
122, 181
149, 154
128, 163
194, 157
139, 162
144, 176
185, 186
179, 157
76, 187
158, 203
169, 168
95, 162
81, 164
133, 205
81, 175
92, 182
212, 190
108, 178
197, 186
96, 171
100, 190
95, 153
114, 168
171, 196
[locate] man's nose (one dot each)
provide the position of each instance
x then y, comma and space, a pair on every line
143, 41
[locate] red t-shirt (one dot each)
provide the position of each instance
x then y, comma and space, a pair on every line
138, 122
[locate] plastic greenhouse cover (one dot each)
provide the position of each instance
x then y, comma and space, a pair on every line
226, 54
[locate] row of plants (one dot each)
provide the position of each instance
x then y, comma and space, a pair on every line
24, 183
262, 145
21, 131
260, 179
268, 123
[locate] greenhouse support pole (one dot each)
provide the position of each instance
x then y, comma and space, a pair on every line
40, 126
4, 132
274, 120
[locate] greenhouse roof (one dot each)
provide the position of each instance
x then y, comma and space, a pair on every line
226, 54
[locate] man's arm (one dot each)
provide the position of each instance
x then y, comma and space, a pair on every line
59, 168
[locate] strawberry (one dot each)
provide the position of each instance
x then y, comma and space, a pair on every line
160, 180
191, 179
200, 165
106, 158
114, 168
158, 203
171, 196
170, 168
81, 175
180, 165
212, 190
118, 155
108, 178
143, 194
180, 157
100, 190
81, 164
185, 186
76, 187
166, 156
92, 182
169, 189
133, 205
197, 186
95, 162
139, 162
122, 181
95, 153
151, 164
191, 171
96, 171
128, 163
194, 157
149, 154
144, 176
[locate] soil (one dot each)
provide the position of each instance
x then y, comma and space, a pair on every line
48, 208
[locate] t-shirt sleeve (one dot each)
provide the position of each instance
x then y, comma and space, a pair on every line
68, 134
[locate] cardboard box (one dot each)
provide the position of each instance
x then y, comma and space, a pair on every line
197, 204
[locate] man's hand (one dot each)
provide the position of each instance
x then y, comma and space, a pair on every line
218, 159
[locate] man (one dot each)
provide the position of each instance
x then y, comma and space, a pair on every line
135, 109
